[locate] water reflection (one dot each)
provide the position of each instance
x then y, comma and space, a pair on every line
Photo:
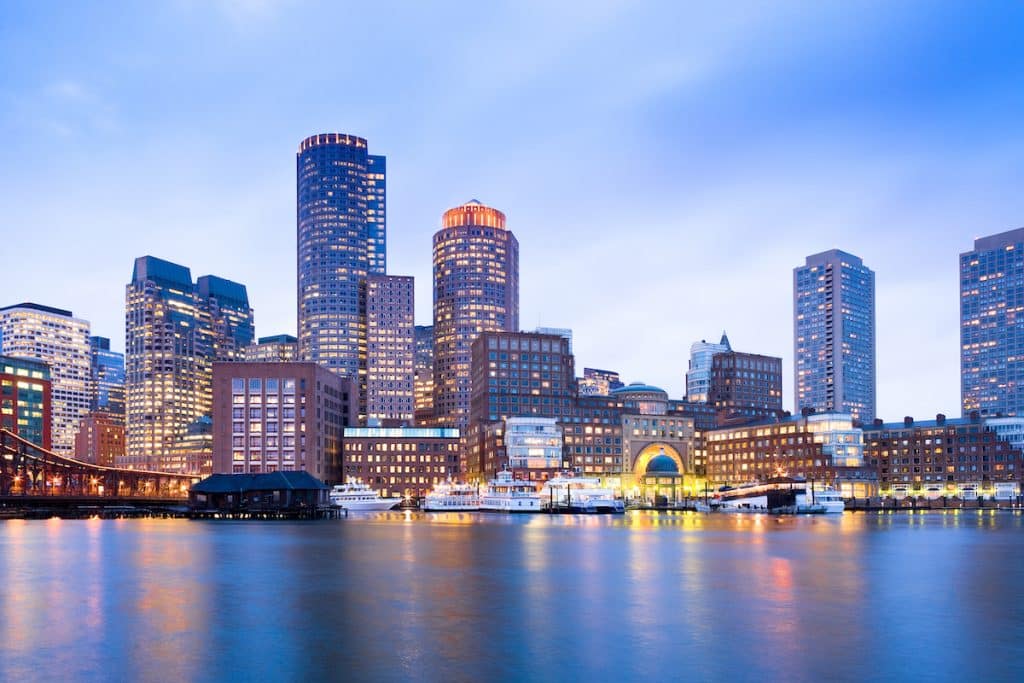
465, 596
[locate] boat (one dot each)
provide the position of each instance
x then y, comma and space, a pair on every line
451, 496
359, 497
504, 493
779, 496
568, 493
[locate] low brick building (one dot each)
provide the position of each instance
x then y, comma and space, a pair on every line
400, 461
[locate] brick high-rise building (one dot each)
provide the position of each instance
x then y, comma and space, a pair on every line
389, 349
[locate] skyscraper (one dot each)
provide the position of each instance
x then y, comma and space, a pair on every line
423, 367
698, 375
991, 315
476, 289
834, 335
175, 329
389, 348
60, 340
107, 379
340, 209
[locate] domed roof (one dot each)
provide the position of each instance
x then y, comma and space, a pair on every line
662, 464
638, 387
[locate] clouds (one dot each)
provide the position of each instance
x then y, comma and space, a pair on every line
663, 166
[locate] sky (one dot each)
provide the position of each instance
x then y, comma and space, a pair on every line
664, 165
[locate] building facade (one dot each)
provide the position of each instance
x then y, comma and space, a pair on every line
476, 289
175, 331
698, 375
272, 416
991, 314
745, 386
334, 197
824, 447
401, 461
60, 340
533, 443
107, 379
281, 348
26, 399
100, 439
596, 382
963, 458
834, 335
390, 348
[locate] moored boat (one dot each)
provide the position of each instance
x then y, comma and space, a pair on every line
451, 496
567, 493
359, 497
504, 493
779, 496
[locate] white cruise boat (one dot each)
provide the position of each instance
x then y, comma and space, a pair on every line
779, 496
506, 494
359, 497
566, 493
452, 497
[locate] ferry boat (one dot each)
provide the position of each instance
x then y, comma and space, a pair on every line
452, 497
359, 497
566, 493
506, 494
779, 496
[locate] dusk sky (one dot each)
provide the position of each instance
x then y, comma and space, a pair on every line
664, 166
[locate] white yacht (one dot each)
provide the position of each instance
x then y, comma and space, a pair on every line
452, 497
567, 493
507, 494
779, 496
359, 497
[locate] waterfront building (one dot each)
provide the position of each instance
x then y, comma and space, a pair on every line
334, 197
597, 382
175, 331
991, 313
26, 399
390, 348
698, 375
100, 439
423, 369
825, 447
834, 335
282, 348
278, 491
476, 289
745, 386
55, 337
533, 443
1009, 429
272, 416
963, 457
107, 369
400, 461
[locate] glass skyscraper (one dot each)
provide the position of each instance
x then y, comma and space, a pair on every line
834, 335
476, 289
107, 378
698, 375
341, 231
992, 325
175, 329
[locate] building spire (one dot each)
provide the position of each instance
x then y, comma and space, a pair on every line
725, 341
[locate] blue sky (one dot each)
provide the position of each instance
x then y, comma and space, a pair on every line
664, 165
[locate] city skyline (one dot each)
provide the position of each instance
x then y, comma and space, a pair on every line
885, 166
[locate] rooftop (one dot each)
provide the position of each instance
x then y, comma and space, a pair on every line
40, 308
271, 481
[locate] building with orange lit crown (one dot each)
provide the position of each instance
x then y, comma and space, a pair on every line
476, 289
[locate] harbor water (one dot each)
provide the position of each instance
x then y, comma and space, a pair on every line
645, 596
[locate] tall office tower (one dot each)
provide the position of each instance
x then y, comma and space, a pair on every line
60, 340
25, 399
376, 214
230, 315
338, 185
107, 379
834, 335
698, 376
174, 330
991, 313
476, 289
423, 369
389, 348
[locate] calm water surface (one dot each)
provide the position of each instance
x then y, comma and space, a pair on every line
397, 596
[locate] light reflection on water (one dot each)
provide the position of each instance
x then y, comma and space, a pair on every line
461, 596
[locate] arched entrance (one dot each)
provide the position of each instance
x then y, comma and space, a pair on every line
659, 473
